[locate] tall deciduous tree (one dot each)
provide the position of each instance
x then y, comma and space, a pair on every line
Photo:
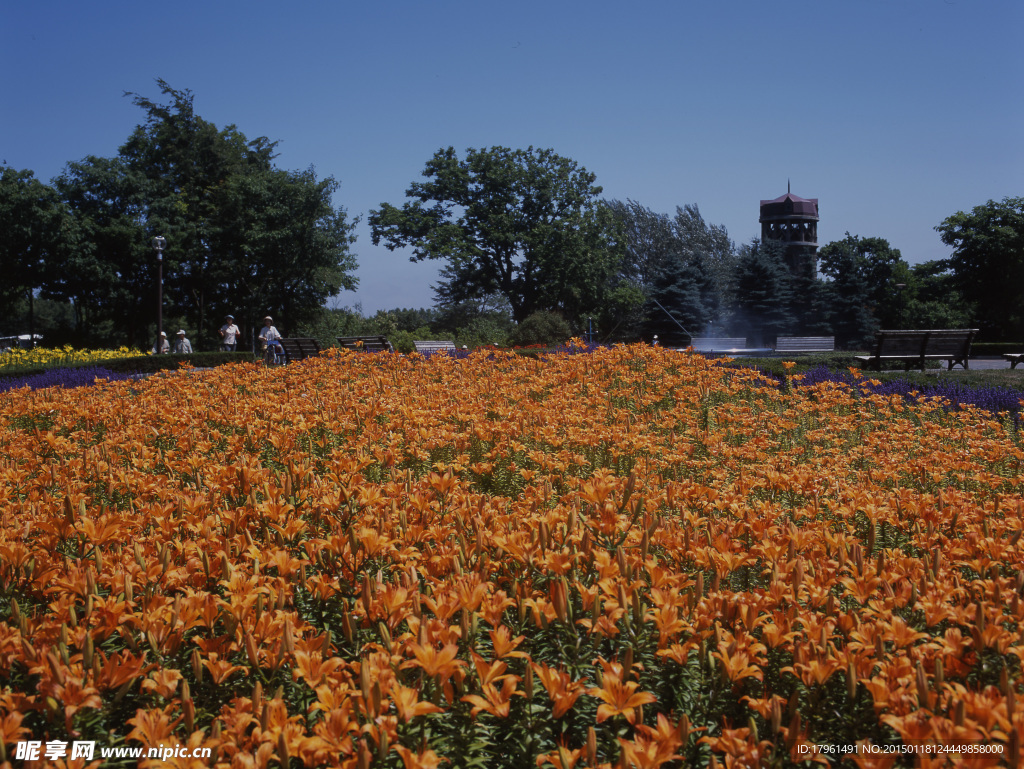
649, 240
523, 223
246, 236
987, 263
36, 236
281, 246
110, 278
242, 236
862, 278
931, 299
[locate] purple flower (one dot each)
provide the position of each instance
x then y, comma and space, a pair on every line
998, 400
63, 377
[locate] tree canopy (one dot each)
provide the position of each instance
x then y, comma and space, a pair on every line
38, 235
862, 290
525, 224
987, 263
681, 262
242, 236
676, 306
763, 299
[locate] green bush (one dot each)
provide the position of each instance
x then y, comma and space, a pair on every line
544, 328
485, 330
402, 341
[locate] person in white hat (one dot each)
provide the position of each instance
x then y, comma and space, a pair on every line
229, 334
271, 337
162, 345
181, 344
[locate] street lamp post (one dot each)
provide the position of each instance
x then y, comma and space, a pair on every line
899, 298
159, 244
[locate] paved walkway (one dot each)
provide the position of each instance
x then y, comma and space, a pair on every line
982, 364
977, 364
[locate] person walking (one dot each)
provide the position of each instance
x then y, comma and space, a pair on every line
229, 334
162, 345
182, 345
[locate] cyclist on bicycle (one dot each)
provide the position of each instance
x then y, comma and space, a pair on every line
271, 338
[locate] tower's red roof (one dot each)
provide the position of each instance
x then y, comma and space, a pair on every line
790, 205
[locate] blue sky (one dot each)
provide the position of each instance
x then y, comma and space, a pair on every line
893, 113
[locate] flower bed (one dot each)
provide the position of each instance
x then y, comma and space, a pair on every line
628, 558
993, 399
14, 358
63, 377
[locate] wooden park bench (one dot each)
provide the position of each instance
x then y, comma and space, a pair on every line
430, 346
710, 344
802, 344
365, 343
299, 348
916, 348
1014, 358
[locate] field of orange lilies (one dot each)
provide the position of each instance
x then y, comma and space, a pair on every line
629, 558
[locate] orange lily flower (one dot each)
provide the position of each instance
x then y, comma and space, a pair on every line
618, 698
408, 704
426, 759
652, 747
562, 690
434, 662
495, 702
504, 644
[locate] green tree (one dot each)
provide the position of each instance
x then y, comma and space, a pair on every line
187, 170
862, 277
111, 277
542, 328
242, 236
494, 328
708, 248
678, 296
932, 300
680, 261
526, 224
987, 264
38, 236
281, 247
454, 311
761, 309
245, 236
649, 240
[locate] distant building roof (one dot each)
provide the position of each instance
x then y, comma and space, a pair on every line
789, 205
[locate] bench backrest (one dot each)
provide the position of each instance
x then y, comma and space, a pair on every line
805, 344
895, 344
429, 346
718, 343
365, 343
924, 343
953, 342
300, 348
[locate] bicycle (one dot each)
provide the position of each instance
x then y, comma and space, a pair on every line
273, 354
